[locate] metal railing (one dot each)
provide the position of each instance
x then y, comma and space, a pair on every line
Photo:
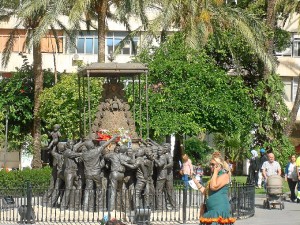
28, 205
242, 199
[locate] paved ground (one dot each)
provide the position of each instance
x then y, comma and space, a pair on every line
290, 215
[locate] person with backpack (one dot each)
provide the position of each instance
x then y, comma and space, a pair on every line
291, 176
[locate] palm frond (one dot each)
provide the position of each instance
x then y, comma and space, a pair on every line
9, 45
78, 9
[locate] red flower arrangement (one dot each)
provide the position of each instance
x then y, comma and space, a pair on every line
219, 220
105, 135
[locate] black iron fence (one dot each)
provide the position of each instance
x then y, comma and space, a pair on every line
31, 205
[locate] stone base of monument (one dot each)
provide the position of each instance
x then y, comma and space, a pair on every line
142, 216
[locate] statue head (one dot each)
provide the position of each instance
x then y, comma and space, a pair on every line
154, 150
56, 127
89, 144
149, 154
167, 147
61, 147
70, 144
83, 148
123, 149
130, 152
160, 151
140, 152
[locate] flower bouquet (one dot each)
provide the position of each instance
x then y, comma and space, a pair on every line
124, 136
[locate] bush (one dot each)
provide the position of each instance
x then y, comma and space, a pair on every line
17, 179
197, 150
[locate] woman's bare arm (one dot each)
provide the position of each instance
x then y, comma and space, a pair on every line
217, 182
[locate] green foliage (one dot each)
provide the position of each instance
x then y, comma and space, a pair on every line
197, 150
2, 127
282, 39
11, 4
272, 111
282, 149
189, 94
17, 178
234, 146
16, 100
60, 105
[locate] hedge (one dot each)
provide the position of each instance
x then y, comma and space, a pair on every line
17, 179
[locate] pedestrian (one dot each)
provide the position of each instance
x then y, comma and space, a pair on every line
186, 170
254, 168
199, 172
270, 167
263, 158
298, 183
217, 209
291, 176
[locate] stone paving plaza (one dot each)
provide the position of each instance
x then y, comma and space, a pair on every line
290, 215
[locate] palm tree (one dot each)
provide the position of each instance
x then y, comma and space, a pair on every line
198, 19
89, 11
31, 23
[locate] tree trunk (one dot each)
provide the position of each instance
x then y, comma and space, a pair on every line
178, 151
38, 88
293, 114
54, 62
102, 6
271, 23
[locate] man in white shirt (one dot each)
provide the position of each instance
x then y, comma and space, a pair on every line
270, 167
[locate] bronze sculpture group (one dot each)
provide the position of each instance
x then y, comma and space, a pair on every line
100, 175
110, 170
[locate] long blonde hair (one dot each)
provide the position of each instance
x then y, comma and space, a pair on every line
216, 156
185, 158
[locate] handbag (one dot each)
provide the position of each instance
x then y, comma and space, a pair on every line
181, 172
294, 174
203, 208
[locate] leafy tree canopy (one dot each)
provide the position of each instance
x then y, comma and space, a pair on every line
60, 105
190, 94
197, 150
16, 100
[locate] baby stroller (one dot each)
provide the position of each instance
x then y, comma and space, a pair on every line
274, 192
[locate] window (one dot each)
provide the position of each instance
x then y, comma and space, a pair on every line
290, 88
49, 44
294, 88
19, 39
287, 81
114, 39
87, 43
296, 47
286, 52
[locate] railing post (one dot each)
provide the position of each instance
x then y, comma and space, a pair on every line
109, 202
29, 212
184, 203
